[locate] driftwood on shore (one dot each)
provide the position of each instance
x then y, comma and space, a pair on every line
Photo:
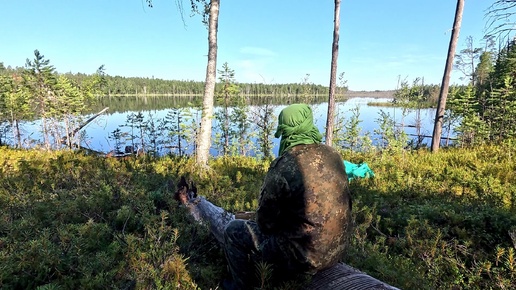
338, 277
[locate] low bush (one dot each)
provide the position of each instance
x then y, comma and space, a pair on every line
426, 221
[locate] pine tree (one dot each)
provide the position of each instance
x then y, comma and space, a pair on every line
40, 79
225, 97
500, 107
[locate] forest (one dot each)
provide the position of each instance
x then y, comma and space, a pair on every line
139, 86
75, 219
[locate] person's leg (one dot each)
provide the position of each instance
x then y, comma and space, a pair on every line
202, 210
216, 217
241, 245
245, 247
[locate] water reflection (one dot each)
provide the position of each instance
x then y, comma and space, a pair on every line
123, 104
97, 132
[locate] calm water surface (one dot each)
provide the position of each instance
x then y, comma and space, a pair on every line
98, 131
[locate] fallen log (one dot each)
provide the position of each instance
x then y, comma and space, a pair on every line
428, 136
338, 277
71, 134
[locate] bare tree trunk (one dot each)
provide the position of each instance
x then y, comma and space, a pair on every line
46, 138
333, 75
16, 130
67, 131
70, 135
225, 150
441, 106
204, 139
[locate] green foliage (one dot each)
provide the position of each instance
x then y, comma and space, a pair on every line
171, 125
391, 137
503, 98
416, 95
434, 221
190, 128
136, 124
471, 130
484, 69
38, 92
226, 96
137, 86
174, 134
426, 221
348, 134
241, 128
488, 107
264, 274
116, 136
413, 98
67, 107
233, 117
265, 120
40, 78
72, 221
15, 105
156, 260
59, 102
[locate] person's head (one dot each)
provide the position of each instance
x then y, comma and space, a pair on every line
296, 127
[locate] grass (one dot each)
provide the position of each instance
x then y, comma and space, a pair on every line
426, 221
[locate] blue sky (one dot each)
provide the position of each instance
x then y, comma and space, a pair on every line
263, 41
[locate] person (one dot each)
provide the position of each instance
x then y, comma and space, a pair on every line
303, 218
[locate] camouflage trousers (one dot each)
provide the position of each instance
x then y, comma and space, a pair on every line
257, 260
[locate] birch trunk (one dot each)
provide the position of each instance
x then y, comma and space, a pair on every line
204, 138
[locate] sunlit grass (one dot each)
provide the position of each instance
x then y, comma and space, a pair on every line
426, 221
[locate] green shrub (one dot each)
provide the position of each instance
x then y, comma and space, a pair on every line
426, 221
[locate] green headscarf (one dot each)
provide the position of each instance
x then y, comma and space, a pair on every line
296, 127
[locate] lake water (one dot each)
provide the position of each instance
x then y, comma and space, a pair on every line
97, 132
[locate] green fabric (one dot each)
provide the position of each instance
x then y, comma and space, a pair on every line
296, 127
357, 170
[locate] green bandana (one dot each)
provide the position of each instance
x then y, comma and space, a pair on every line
296, 127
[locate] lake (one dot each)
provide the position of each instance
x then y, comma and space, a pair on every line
98, 135
98, 131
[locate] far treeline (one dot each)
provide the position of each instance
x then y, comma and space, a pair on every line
145, 86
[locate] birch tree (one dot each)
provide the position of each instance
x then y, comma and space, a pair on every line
204, 138
210, 14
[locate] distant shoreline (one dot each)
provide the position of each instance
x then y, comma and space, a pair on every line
369, 94
347, 94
